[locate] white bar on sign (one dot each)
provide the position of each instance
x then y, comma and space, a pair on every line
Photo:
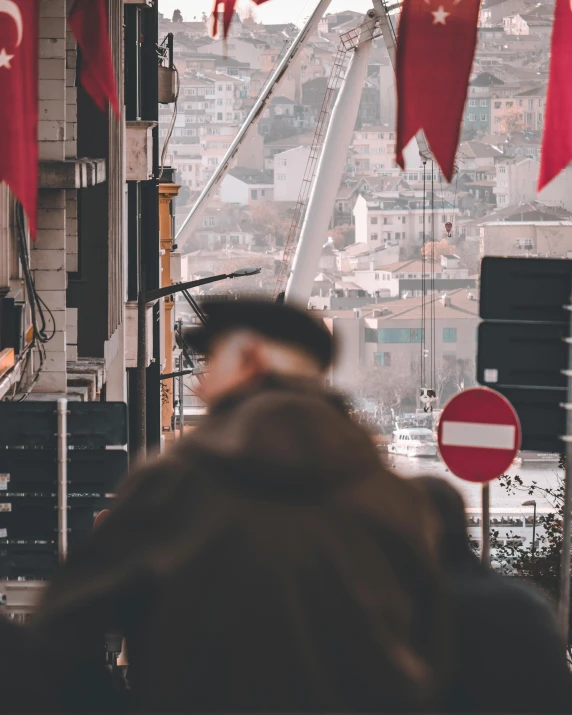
476, 434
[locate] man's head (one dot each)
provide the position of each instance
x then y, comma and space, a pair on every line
245, 340
448, 227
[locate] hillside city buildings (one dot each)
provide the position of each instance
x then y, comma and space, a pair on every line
371, 269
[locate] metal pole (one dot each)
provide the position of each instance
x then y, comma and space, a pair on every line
564, 605
181, 399
249, 125
62, 413
141, 430
181, 386
534, 530
486, 526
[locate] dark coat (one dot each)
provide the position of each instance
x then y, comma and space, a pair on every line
267, 562
511, 658
509, 655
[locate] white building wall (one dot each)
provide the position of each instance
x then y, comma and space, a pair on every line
289, 170
234, 191
360, 218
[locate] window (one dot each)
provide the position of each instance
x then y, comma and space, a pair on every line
484, 103
472, 102
471, 117
502, 169
376, 276
449, 335
211, 221
374, 220
382, 359
525, 243
254, 194
219, 102
497, 105
229, 102
229, 87
483, 117
374, 237
509, 104
393, 335
219, 87
281, 177
341, 208
531, 103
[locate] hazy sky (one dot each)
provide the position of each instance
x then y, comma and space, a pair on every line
271, 11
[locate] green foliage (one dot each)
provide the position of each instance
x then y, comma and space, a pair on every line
543, 566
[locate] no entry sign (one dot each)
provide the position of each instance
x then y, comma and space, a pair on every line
478, 435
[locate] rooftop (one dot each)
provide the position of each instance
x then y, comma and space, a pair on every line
252, 176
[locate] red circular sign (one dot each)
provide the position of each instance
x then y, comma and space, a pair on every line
478, 434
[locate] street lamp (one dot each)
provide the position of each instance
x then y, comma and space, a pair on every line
532, 502
149, 297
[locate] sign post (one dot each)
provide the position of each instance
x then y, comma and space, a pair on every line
564, 602
479, 437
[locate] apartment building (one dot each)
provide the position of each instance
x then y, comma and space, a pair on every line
98, 241
400, 220
549, 239
388, 336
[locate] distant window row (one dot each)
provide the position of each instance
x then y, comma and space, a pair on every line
404, 335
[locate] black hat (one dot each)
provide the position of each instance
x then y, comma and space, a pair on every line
274, 321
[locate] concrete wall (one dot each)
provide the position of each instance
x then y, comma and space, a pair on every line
547, 238
57, 141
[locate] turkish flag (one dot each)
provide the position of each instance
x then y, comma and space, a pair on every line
557, 137
19, 102
88, 22
227, 14
435, 49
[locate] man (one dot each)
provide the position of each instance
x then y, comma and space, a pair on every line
448, 230
510, 657
268, 562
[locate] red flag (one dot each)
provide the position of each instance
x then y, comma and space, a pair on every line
227, 14
435, 49
88, 22
19, 102
557, 137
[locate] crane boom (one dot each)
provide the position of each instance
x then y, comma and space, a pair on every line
249, 125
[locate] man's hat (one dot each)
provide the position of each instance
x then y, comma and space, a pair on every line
273, 321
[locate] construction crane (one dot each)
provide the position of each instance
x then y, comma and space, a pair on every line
329, 150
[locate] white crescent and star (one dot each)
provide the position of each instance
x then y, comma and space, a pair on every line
10, 8
440, 16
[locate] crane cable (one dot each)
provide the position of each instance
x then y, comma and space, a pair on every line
423, 285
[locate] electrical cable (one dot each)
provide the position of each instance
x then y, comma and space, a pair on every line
433, 328
40, 336
423, 284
